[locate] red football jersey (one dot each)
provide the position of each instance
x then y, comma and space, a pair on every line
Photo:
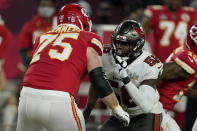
169, 29
59, 59
5, 39
171, 92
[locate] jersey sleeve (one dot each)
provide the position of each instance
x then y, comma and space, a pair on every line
188, 61
95, 42
154, 68
153, 73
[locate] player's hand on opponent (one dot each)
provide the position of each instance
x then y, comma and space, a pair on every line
122, 65
120, 114
121, 62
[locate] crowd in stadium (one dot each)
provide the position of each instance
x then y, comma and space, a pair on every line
98, 65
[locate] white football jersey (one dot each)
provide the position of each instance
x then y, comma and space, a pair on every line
145, 67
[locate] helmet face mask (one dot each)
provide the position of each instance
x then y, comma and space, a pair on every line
191, 42
128, 40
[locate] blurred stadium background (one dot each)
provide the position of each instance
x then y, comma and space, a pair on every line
105, 14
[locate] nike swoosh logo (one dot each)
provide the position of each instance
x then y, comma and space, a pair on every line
191, 59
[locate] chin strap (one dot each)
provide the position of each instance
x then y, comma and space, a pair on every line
120, 60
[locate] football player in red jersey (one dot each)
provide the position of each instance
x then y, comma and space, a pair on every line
180, 72
5, 39
8, 100
61, 58
170, 24
42, 22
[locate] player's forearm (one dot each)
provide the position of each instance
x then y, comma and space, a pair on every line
97, 78
111, 101
144, 96
92, 97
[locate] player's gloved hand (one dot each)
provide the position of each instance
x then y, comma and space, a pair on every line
122, 67
121, 62
122, 70
123, 73
86, 113
120, 114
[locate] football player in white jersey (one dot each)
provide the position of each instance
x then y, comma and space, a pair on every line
134, 75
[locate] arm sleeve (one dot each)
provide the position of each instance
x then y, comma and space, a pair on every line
188, 61
100, 83
144, 96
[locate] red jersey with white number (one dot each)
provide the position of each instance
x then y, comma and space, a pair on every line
171, 92
59, 60
169, 28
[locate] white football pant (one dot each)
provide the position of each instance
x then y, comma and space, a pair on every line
50, 110
168, 123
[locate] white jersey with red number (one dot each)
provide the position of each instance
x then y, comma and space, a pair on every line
146, 66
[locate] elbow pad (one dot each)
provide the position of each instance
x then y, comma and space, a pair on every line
99, 82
